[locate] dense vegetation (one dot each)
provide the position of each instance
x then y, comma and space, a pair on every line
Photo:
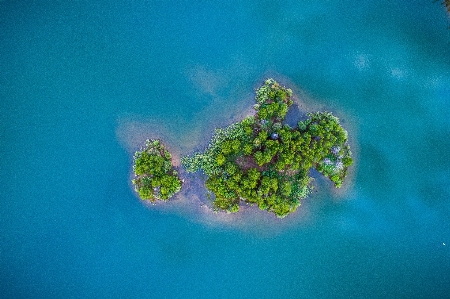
262, 161
155, 177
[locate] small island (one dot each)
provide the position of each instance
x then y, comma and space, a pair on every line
261, 161
155, 178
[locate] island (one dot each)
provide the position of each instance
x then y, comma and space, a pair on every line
262, 161
155, 178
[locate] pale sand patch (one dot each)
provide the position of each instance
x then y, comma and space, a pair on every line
206, 81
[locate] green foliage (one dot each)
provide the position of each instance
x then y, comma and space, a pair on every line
261, 161
154, 176
223, 142
273, 101
220, 159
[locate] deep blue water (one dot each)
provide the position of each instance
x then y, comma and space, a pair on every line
83, 83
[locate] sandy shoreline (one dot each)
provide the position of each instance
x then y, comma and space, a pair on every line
192, 200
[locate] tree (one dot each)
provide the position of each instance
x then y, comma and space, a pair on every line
274, 159
155, 177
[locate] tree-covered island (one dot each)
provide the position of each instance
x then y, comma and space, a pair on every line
262, 161
155, 178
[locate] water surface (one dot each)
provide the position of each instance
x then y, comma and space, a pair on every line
83, 84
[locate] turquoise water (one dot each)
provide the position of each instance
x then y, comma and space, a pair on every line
84, 83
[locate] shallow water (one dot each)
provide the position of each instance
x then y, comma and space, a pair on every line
84, 84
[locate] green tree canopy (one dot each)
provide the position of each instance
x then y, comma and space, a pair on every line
261, 161
155, 178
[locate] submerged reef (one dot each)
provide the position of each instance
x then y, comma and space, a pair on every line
263, 162
155, 178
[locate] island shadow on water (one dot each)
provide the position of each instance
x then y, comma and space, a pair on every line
193, 200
